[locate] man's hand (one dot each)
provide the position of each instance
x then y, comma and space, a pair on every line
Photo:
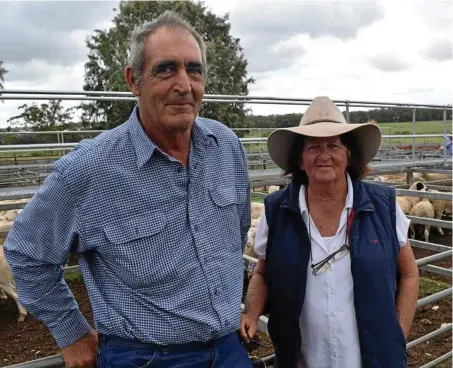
82, 353
248, 327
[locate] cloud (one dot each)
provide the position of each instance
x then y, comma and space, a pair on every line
278, 56
391, 51
49, 31
439, 50
265, 26
388, 63
438, 14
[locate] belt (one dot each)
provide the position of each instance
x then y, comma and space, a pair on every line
172, 348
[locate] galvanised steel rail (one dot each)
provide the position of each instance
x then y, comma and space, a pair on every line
92, 95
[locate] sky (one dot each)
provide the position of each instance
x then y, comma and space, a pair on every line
387, 51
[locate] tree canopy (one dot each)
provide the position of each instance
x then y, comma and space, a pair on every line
43, 117
108, 54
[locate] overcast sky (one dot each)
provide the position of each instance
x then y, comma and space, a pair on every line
391, 51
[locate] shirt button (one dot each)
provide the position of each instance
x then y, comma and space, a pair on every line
331, 291
206, 259
227, 323
195, 228
216, 292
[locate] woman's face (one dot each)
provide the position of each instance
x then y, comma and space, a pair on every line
324, 159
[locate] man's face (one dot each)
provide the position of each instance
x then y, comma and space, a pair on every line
173, 80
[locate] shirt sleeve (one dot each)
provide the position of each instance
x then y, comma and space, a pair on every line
36, 249
261, 237
245, 209
402, 226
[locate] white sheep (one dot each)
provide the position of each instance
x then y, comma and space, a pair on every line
433, 176
257, 209
255, 222
441, 206
272, 189
424, 208
407, 202
249, 246
7, 285
404, 204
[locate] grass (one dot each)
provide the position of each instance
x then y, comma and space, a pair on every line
421, 127
429, 286
445, 364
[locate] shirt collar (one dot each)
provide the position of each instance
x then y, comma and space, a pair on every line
349, 196
145, 148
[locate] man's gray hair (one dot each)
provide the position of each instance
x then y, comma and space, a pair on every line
137, 41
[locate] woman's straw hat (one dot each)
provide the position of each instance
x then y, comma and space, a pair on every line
323, 119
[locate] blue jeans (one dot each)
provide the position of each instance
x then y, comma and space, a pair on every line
225, 352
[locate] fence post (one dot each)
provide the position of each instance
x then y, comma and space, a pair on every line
445, 134
413, 132
347, 112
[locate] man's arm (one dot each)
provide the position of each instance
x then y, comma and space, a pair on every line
245, 211
36, 249
406, 302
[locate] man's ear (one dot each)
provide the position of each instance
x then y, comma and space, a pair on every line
130, 80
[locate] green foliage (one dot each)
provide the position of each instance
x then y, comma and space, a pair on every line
108, 53
45, 117
429, 286
391, 117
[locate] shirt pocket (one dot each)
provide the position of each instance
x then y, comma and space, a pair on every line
136, 227
137, 247
224, 216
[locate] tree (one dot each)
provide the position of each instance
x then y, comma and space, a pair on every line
3, 71
107, 59
47, 116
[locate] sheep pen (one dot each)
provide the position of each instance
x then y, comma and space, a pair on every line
30, 340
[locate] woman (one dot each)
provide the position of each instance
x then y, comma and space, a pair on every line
330, 250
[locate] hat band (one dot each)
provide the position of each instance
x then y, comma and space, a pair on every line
324, 121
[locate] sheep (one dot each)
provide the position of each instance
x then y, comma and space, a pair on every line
249, 250
447, 209
433, 176
272, 189
407, 202
441, 206
257, 209
255, 222
7, 285
424, 208
404, 204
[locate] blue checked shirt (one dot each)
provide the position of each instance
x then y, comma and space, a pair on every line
160, 246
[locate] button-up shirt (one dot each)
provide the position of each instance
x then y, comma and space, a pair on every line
328, 326
160, 245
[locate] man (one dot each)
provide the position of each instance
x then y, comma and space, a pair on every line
158, 211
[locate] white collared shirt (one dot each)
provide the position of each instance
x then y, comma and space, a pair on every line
327, 321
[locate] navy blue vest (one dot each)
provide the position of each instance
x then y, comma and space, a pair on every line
374, 251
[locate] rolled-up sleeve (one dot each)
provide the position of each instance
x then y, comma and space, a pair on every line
36, 249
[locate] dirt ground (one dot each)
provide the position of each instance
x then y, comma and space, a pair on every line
29, 340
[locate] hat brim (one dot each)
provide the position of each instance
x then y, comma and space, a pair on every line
368, 137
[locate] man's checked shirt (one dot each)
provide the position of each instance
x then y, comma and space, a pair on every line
160, 246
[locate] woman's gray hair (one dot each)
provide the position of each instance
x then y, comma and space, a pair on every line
168, 19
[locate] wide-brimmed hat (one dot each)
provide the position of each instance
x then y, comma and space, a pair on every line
323, 119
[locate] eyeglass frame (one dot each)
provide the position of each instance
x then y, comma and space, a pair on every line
318, 266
